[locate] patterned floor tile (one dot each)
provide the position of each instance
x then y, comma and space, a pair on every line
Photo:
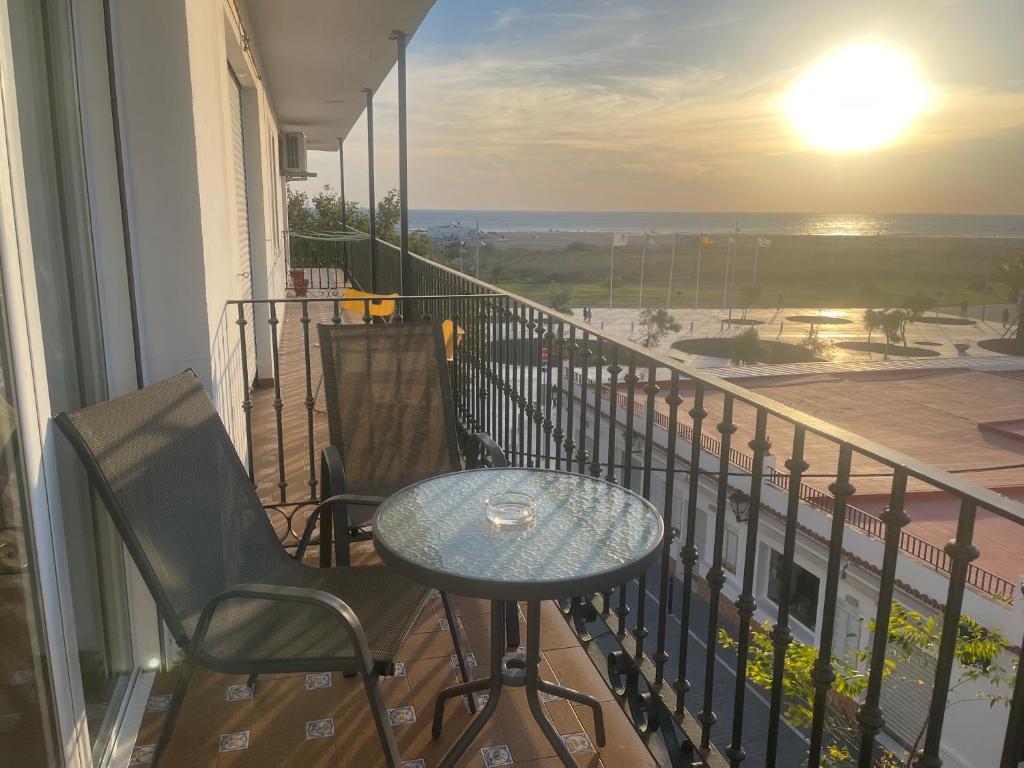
402, 715
320, 729
495, 756
234, 742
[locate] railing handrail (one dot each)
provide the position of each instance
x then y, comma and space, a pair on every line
940, 478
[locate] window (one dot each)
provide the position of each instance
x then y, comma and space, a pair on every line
730, 550
802, 592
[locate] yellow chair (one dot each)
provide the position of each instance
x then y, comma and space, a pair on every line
449, 347
381, 304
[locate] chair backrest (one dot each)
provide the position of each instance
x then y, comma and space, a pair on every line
389, 404
170, 477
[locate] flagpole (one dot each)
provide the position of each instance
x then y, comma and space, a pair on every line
696, 292
671, 269
611, 276
725, 282
757, 248
643, 259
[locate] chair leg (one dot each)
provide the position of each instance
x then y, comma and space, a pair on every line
512, 624
180, 687
343, 538
326, 531
371, 683
453, 627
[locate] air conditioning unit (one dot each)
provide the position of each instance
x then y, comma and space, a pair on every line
293, 154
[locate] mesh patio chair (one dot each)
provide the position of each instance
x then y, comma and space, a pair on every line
392, 422
235, 601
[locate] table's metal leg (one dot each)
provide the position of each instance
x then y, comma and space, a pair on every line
533, 684
450, 693
495, 680
580, 698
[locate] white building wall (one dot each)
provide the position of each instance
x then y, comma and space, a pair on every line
172, 75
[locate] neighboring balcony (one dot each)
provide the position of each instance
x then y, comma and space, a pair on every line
557, 393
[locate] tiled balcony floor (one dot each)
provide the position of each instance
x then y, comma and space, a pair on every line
324, 720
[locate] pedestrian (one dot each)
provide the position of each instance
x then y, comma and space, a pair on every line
779, 303
1006, 316
963, 308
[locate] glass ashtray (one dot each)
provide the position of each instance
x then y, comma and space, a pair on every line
511, 508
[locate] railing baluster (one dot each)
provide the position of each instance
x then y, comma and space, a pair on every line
570, 392
241, 322
309, 400
716, 574
595, 451
549, 362
538, 402
661, 655
282, 483
689, 553
528, 405
870, 715
823, 674
782, 635
614, 370
961, 551
746, 604
640, 631
587, 355
622, 610
558, 432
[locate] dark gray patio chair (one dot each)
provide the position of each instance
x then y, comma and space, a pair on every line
167, 471
392, 422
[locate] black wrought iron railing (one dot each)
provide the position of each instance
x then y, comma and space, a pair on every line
558, 393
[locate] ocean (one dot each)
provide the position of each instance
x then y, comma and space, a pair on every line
864, 224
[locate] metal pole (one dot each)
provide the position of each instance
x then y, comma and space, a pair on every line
725, 281
462, 266
477, 256
696, 292
671, 269
344, 213
757, 249
406, 287
643, 259
372, 201
611, 276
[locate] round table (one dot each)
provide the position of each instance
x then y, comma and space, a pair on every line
588, 535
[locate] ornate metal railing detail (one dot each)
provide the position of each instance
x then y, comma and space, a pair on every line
561, 394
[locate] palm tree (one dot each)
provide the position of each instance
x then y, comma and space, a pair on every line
872, 321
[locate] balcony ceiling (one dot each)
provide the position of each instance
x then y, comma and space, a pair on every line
316, 56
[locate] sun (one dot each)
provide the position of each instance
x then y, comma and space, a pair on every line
856, 99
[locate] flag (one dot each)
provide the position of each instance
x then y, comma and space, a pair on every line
619, 238
705, 240
763, 242
652, 244
732, 240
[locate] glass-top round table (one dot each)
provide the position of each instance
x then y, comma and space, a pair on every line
586, 535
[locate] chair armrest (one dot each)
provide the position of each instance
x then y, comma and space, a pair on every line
495, 457
332, 604
338, 498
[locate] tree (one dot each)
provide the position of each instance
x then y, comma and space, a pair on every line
654, 324
1013, 274
749, 294
872, 321
978, 651
747, 348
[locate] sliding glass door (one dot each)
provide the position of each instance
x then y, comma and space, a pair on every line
62, 265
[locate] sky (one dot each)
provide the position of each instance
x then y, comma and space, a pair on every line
665, 105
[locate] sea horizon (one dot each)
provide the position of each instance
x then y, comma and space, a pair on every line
749, 222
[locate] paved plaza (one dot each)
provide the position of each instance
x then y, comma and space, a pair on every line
836, 325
